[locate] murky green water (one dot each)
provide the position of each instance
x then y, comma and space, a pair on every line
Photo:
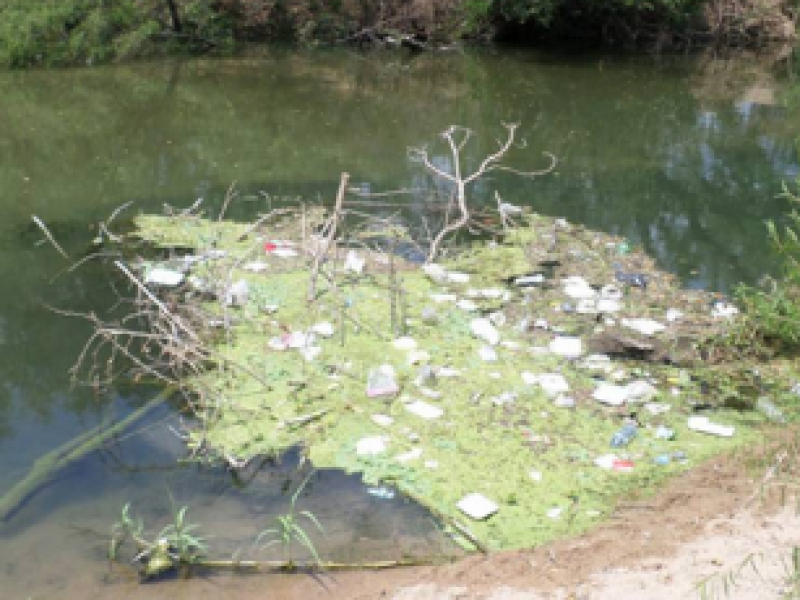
683, 156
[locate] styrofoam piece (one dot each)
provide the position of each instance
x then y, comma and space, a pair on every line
529, 378
586, 306
608, 305
323, 329
724, 310
640, 391
298, 339
705, 425
487, 353
163, 277
555, 512
237, 293
596, 362
535, 475
553, 384
477, 506
424, 410
564, 402
457, 277
506, 208
606, 461
485, 330
613, 395
405, 343
412, 454
657, 408
498, 318
467, 305
644, 326
578, 288
534, 279
673, 314
505, 398
610, 292
382, 420
372, 445
541, 324
431, 464
284, 252
310, 352
256, 266
448, 372
566, 346
354, 263
443, 298
434, 271
493, 293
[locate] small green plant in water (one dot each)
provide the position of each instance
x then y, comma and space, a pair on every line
176, 546
288, 529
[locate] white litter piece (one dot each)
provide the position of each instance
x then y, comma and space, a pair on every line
382, 381
284, 252
495, 375
237, 294
586, 306
529, 280
504, 398
424, 410
643, 326
413, 454
541, 324
568, 347
278, 343
477, 506
405, 343
163, 277
511, 344
485, 330
673, 314
371, 445
256, 266
448, 372
564, 402
608, 305
578, 288
323, 329
596, 362
310, 352
553, 384
535, 475
606, 461
429, 393
610, 292
270, 308
498, 318
298, 339
613, 395
434, 271
487, 353
529, 378
457, 277
442, 298
493, 293
382, 420
704, 425
640, 391
354, 263
657, 408
555, 513
724, 310
467, 305
472, 293
509, 209
431, 464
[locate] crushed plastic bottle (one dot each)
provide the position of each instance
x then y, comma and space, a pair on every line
625, 435
382, 382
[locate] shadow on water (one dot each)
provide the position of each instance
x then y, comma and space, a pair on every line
684, 156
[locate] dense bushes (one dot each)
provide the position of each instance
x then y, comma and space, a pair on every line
75, 31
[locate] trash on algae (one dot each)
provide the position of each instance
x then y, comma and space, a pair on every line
504, 373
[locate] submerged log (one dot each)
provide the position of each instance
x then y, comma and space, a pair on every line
46, 467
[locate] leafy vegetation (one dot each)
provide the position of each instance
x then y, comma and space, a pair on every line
774, 309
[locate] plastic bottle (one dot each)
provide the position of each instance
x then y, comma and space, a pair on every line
769, 410
624, 436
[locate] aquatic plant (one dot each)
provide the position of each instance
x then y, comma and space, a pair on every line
288, 530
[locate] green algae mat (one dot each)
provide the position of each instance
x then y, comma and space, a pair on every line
516, 390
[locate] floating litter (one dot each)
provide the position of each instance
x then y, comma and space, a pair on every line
477, 506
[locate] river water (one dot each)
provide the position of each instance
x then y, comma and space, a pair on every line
684, 156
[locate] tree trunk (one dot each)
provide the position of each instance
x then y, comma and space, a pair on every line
174, 15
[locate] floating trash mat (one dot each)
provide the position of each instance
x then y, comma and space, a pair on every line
472, 385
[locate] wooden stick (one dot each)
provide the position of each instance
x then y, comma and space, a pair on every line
40, 224
337, 209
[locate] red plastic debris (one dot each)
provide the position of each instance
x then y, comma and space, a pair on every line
270, 247
622, 465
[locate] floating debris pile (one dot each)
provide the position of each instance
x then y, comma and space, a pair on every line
515, 390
